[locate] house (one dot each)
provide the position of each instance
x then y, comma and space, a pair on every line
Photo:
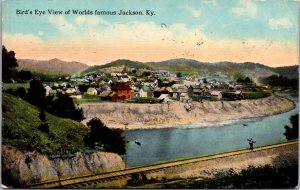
165, 98
178, 89
71, 91
123, 89
146, 92
52, 93
47, 89
105, 95
216, 93
163, 90
91, 91
195, 90
184, 97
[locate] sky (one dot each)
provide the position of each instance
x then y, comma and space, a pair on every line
260, 31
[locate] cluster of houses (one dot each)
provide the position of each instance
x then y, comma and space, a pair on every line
161, 85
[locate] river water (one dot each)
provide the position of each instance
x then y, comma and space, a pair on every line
160, 145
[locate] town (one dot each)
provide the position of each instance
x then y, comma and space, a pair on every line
124, 84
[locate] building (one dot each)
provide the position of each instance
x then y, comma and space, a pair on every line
123, 89
146, 92
91, 91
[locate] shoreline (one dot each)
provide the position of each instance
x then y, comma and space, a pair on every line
207, 114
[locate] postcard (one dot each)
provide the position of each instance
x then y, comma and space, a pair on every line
150, 94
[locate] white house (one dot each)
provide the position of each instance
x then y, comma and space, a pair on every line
216, 93
47, 89
91, 91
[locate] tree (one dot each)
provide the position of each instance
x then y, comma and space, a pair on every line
37, 94
100, 135
247, 80
9, 64
178, 74
64, 106
24, 75
292, 132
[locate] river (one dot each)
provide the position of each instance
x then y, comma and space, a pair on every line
161, 145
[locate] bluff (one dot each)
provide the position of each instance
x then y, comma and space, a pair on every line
26, 167
138, 116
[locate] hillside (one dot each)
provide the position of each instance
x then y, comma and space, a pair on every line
52, 66
120, 62
288, 71
20, 128
254, 70
189, 66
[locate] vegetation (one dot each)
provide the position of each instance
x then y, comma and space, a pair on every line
62, 106
14, 86
246, 95
250, 178
282, 81
127, 63
21, 127
101, 137
288, 71
86, 98
9, 64
144, 100
292, 132
246, 80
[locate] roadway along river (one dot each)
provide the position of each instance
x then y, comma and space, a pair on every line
160, 145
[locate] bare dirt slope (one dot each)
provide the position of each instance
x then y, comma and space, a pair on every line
162, 115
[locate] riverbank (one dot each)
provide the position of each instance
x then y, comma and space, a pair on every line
146, 116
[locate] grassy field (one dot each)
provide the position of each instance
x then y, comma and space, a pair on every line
87, 99
20, 128
14, 86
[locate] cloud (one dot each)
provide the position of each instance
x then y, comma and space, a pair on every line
193, 11
245, 8
61, 23
279, 23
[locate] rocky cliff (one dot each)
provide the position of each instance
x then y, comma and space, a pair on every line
21, 168
164, 115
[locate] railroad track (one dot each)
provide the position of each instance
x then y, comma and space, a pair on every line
146, 169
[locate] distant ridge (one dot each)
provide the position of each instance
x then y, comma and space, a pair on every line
254, 70
53, 66
119, 62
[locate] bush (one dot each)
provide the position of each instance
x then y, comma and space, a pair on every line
104, 138
144, 100
292, 132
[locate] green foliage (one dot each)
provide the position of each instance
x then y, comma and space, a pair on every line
24, 75
21, 127
246, 95
37, 94
127, 63
250, 178
179, 74
288, 71
246, 80
14, 86
47, 76
144, 100
63, 106
275, 80
292, 132
103, 138
9, 64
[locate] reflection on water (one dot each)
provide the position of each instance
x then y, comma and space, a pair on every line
158, 145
